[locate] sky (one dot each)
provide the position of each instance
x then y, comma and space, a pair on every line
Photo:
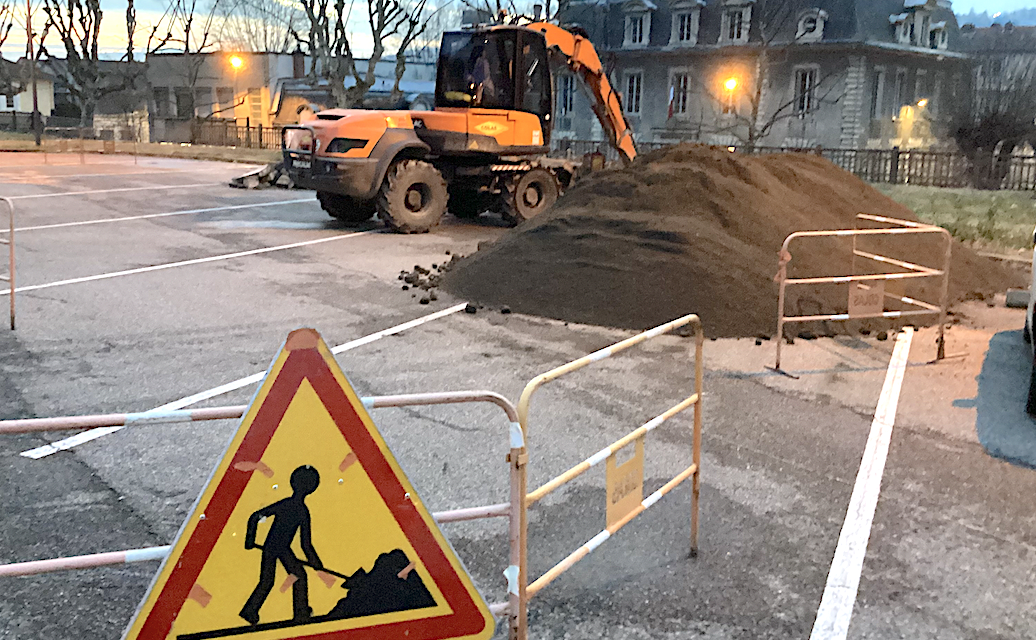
114, 30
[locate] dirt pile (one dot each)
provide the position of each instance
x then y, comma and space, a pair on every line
693, 229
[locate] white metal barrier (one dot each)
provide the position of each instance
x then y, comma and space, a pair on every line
9, 241
872, 284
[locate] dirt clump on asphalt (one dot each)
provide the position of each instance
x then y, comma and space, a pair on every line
693, 229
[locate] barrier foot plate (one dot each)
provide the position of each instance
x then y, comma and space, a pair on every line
782, 372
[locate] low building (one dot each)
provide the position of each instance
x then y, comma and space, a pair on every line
16, 104
254, 89
788, 73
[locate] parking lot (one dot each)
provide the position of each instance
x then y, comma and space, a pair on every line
144, 284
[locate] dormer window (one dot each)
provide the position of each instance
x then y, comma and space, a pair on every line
737, 21
811, 26
902, 25
638, 22
938, 37
686, 20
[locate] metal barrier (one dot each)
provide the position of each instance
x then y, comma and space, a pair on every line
868, 300
9, 241
516, 510
513, 510
626, 509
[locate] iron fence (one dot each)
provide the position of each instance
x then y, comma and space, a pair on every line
227, 133
883, 166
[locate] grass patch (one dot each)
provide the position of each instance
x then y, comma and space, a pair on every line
993, 220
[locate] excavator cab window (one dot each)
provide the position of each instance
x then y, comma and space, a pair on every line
536, 96
476, 69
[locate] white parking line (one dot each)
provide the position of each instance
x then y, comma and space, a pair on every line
43, 176
843, 582
93, 434
182, 263
160, 215
120, 190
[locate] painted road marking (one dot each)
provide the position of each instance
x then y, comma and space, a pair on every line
93, 434
182, 263
120, 190
159, 215
843, 582
42, 176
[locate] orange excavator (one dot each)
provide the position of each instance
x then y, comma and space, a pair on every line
484, 146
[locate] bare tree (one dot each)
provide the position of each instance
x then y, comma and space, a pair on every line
7, 81
258, 25
999, 119
78, 24
415, 25
328, 42
769, 47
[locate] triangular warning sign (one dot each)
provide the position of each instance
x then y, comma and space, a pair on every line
308, 528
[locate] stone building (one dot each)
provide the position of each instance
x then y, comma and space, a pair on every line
1003, 55
794, 73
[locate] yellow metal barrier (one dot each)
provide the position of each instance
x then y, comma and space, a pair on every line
623, 480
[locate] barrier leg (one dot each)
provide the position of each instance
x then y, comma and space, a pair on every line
518, 616
699, 375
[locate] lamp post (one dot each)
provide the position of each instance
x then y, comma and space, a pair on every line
730, 84
236, 63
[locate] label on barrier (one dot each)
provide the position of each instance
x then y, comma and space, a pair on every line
308, 528
625, 483
866, 299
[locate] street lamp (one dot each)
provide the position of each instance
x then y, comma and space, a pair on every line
236, 63
730, 84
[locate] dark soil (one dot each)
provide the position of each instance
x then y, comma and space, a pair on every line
693, 229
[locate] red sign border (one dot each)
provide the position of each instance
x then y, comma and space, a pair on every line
308, 364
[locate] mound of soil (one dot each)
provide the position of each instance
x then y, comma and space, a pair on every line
692, 229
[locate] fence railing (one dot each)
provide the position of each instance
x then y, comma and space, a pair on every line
227, 133
882, 166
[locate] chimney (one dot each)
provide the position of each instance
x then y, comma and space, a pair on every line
298, 63
1009, 27
968, 28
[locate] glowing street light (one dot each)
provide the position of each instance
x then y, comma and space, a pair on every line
922, 103
237, 62
730, 84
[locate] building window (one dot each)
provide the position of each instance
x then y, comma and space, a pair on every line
225, 98
806, 90
184, 102
566, 94
901, 89
735, 25
633, 91
686, 30
878, 94
636, 29
161, 98
679, 92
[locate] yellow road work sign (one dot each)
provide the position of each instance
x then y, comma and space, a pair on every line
308, 528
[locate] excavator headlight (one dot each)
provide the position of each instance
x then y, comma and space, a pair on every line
344, 145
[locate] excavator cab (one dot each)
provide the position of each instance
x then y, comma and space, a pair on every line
502, 68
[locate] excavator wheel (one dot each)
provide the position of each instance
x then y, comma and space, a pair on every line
413, 197
349, 210
529, 195
467, 203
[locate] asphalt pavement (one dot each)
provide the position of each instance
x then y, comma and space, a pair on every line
952, 553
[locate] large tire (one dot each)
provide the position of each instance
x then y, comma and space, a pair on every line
1030, 406
467, 203
349, 210
530, 195
413, 197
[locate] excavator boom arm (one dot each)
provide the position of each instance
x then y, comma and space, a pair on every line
581, 57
